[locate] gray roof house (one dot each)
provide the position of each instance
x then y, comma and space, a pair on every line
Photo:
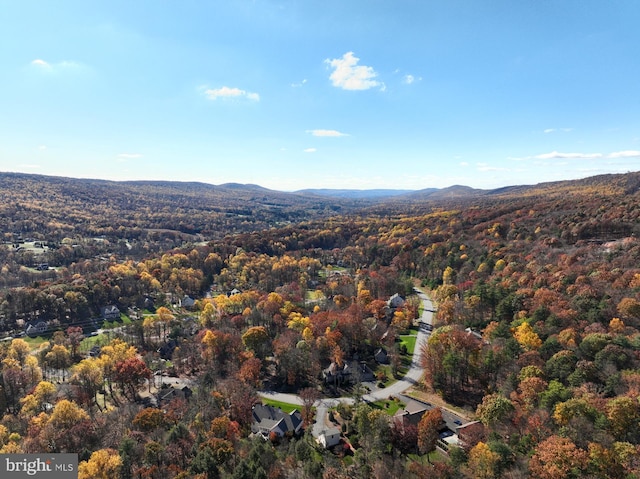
268, 419
412, 412
188, 302
396, 301
351, 372
110, 312
36, 328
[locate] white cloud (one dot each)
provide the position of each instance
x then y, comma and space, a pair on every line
486, 167
409, 79
303, 82
310, 150
42, 147
227, 92
43, 65
558, 155
348, 75
553, 130
333, 133
624, 154
129, 156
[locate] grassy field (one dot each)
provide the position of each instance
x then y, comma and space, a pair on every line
124, 319
388, 406
286, 407
409, 340
91, 341
35, 343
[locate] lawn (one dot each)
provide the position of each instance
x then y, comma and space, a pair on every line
91, 341
35, 343
285, 406
409, 340
124, 319
388, 406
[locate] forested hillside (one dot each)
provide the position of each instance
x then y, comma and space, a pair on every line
54, 207
547, 277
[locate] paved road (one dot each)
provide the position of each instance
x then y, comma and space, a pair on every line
411, 378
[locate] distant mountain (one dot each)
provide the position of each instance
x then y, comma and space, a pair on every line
451, 192
355, 194
58, 207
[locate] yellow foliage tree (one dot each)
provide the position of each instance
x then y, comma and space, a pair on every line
19, 350
527, 337
103, 464
297, 321
483, 461
209, 341
307, 334
400, 321
67, 414
88, 375
616, 326
208, 315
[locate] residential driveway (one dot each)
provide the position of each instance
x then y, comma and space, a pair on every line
282, 397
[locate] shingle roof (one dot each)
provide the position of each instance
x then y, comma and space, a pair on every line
269, 417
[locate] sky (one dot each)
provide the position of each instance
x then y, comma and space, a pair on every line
293, 94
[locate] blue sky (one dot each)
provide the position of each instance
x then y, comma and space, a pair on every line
292, 94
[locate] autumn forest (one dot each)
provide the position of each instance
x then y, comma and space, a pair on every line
142, 322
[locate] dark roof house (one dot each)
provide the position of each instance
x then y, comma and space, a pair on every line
268, 419
381, 356
166, 395
351, 372
396, 301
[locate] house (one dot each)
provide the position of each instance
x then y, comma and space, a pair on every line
381, 356
188, 302
233, 292
36, 328
148, 304
474, 333
166, 395
396, 301
351, 371
412, 412
110, 313
329, 437
166, 350
269, 419
469, 434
